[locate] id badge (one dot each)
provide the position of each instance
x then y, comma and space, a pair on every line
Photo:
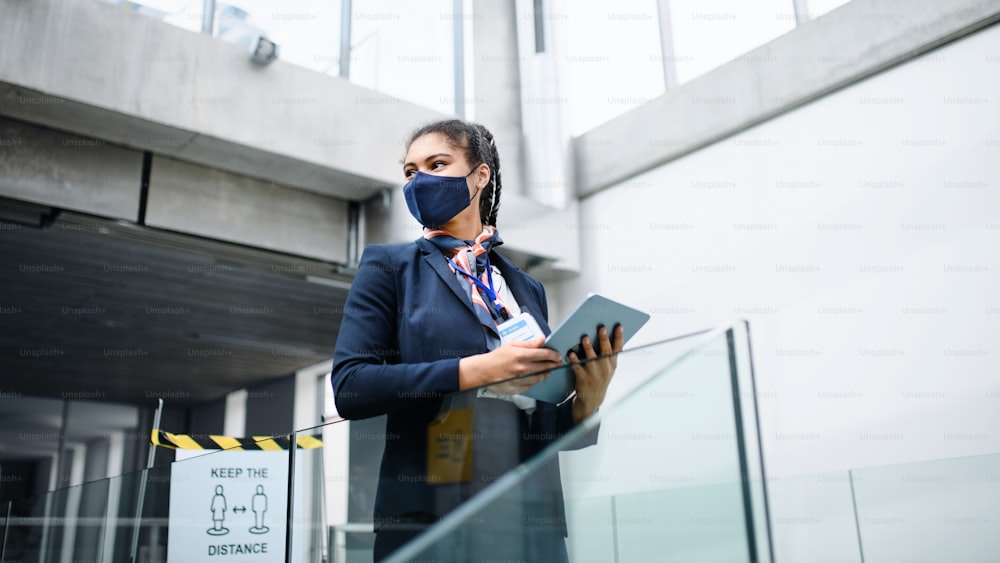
521, 328
449, 447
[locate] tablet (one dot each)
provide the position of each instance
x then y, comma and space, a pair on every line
594, 310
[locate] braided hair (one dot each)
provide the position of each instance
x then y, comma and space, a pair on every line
480, 148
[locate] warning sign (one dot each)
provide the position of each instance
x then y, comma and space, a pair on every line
228, 506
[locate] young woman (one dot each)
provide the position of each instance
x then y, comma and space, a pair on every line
421, 323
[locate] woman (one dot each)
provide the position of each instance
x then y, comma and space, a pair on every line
421, 323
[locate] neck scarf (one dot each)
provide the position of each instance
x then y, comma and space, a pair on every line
472, 256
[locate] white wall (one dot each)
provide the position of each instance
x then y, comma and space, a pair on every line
860, 234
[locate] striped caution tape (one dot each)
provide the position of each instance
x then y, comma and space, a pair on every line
211, 442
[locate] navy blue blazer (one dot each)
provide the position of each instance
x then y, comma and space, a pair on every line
406, 323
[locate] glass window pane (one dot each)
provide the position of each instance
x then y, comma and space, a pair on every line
307, 31
609, 59
707, 34
406, 50
402, 49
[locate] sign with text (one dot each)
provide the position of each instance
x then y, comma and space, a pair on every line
228, 506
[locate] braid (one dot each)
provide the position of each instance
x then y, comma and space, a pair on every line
488, 206
480, 148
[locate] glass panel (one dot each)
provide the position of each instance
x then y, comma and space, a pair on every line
24, 531
647, 361
151, 542
400, 48
666, 457
5, 512
609, 58
308, 530
406, 50
352, 454
708, 34
367, 440
80, 525
219, 503
92, 515
656, 476
749, 393
56, 525
30, 430
306, 31
944, 510
813, 518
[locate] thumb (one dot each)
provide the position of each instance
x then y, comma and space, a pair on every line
536, 343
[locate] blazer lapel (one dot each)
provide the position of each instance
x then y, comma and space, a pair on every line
435, 259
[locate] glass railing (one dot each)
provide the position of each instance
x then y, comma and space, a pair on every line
210, 505
812, 518
669, 469
662, 473
666, 453
938, 510
77, 523
941, 510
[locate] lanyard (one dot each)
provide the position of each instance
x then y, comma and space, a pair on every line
488, 290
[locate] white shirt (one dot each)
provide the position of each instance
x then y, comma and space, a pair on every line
526, 404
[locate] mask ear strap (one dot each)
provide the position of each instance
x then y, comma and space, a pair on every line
474, 168
479, 188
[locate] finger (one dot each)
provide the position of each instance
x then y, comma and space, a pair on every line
619, 338
532, 361
541, 355
603, 341
577, 367
525, 352
588, 347
536, 343
619, 343
576, 364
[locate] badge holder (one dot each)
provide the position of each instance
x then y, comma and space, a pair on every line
521, 328
450, 441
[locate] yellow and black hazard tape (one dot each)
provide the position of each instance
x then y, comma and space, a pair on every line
212, 442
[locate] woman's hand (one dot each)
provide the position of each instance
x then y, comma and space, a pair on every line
509, 360
593, 376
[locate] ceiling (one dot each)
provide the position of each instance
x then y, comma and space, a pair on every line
94, 308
